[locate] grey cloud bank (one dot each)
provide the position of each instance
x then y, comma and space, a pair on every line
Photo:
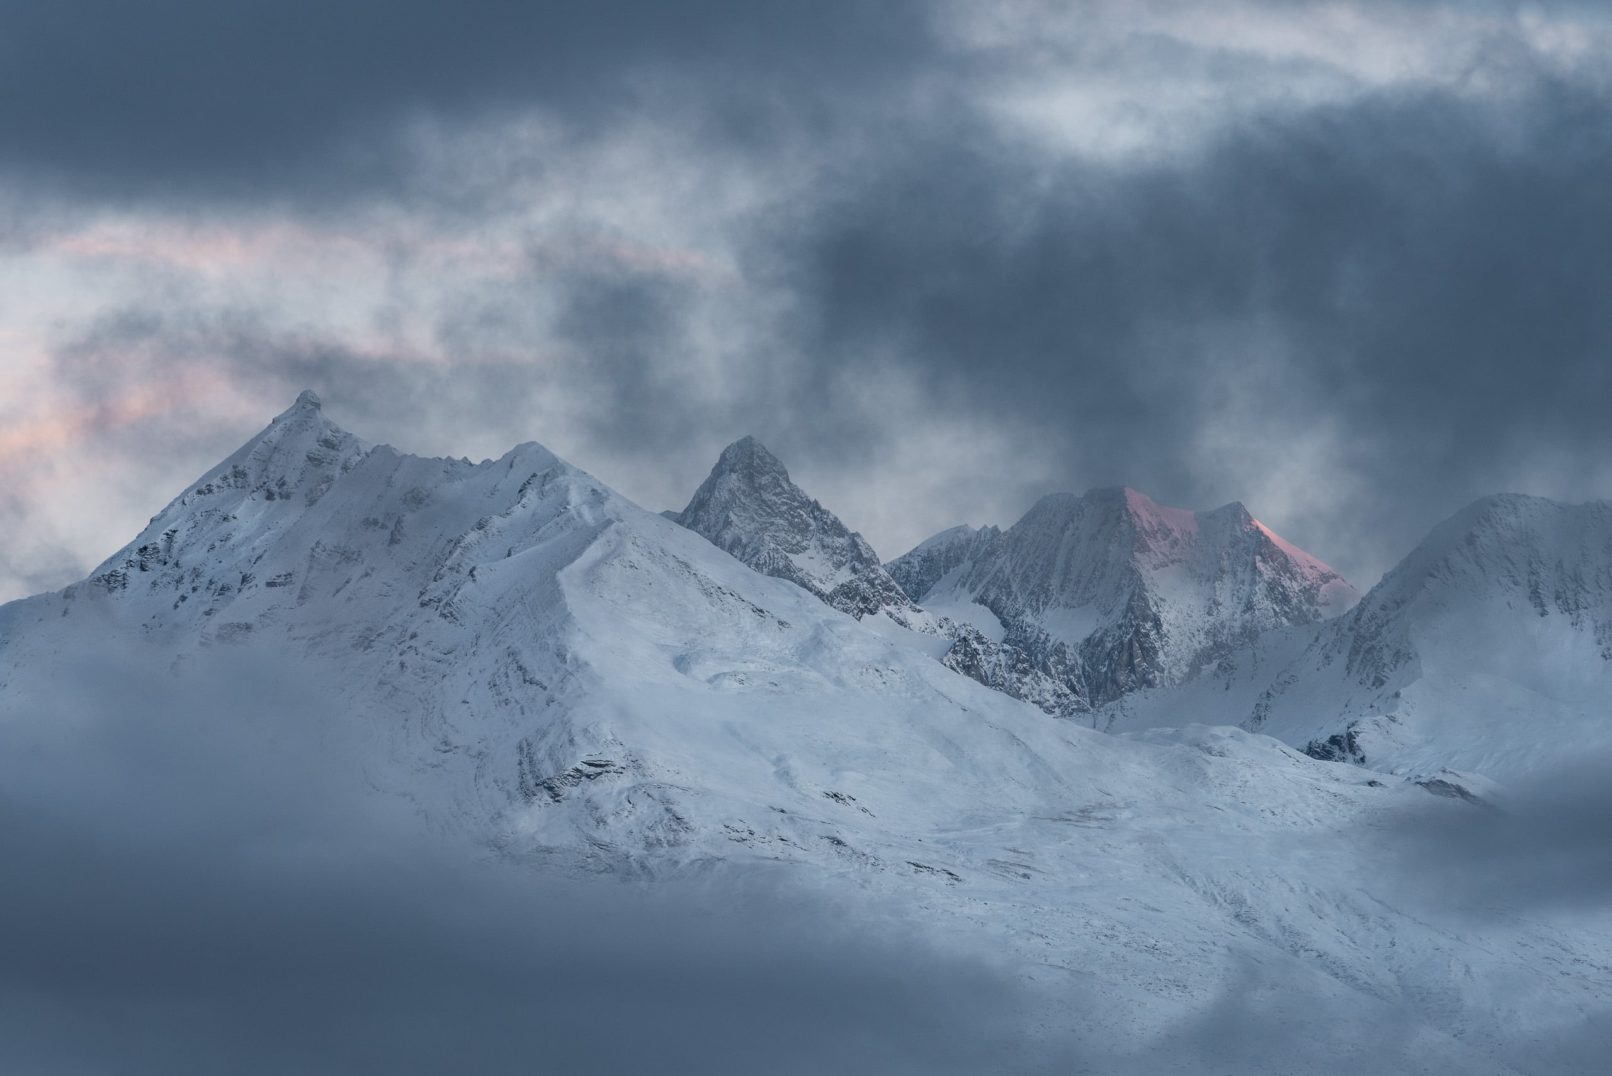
1354, 292
198, 882
286, 101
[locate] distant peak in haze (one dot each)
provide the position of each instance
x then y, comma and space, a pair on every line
1112, 591
749, 446
749, 507
751, 461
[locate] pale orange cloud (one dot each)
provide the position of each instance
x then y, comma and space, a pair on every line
285, 246
23, 442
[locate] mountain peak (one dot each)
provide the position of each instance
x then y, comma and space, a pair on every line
1486, 645
1506, 540
1120, 592
306, 410
1108, 506
748, 454
749, 507
305, 413
304, 424
1236, 511
298, 454
1505, 510
748, 443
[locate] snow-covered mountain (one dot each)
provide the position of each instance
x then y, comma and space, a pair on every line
1111, 593
749, 507
1487, 649
551, 670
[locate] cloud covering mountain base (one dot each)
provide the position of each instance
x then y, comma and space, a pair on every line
365, 760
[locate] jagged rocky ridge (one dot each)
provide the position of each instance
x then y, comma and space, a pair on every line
1085, 600
749, 507
1110, 593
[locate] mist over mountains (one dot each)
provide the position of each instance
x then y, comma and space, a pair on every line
1157, 776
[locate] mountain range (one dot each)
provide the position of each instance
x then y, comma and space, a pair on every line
1488, 649
1135, 747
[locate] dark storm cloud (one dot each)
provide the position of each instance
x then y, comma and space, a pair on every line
1400, 288
1424, 269
197, 881
308, 101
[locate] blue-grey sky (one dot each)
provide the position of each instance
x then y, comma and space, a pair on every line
1345, 262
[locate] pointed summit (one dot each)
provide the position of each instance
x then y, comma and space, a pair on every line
300, 451
749, 472
259, 491
749, 452
1234, 509
749, 507
306, 408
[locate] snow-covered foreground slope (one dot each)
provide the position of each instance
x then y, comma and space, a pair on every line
1112, 593
1488, 649
545, 668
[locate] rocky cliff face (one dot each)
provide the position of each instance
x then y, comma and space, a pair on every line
749, 507
947, 556
1111, 592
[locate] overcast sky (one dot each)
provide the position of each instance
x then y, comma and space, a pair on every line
1345, 262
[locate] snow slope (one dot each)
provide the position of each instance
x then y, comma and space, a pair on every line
1488, 649
551, 670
